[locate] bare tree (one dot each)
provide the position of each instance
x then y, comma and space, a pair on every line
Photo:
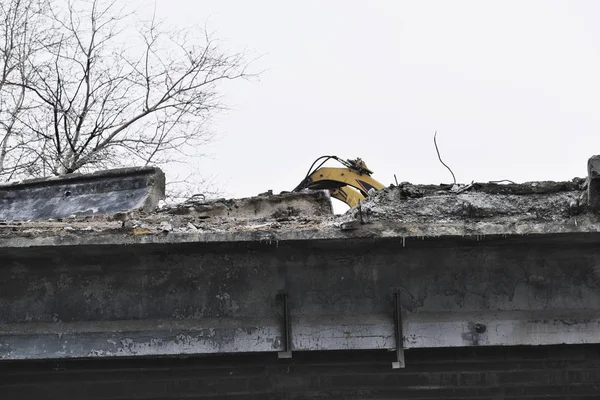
112, 95
25, 32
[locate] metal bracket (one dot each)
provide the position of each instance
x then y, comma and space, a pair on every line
399, 363
287, 327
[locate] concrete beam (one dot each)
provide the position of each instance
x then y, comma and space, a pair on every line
360, 332
100, 193
198, 298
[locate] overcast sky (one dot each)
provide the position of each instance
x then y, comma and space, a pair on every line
512, 87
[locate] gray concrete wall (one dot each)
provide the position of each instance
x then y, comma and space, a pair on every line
218, 298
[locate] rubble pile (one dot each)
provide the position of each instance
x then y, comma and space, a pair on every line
536, 201
271, 212
399, 210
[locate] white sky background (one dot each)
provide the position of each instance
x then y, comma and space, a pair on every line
512, 87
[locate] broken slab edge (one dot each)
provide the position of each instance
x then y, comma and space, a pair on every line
77, 177
373, 231
593, 184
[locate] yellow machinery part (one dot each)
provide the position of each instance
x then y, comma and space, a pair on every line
350, 184
348, 195
348, 176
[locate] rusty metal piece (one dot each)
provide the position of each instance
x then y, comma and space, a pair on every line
399, 363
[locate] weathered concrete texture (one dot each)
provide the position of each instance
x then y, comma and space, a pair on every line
533, 373
255, 218
406, 211
203, 298
403, 211
594, 183
274, 207
492, 265
536, 202
101, 193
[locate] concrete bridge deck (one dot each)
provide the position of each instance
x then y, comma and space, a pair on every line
424, 270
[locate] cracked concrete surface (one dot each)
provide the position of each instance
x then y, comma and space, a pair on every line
408, 211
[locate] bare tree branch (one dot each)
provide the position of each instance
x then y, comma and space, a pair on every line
22, 40
85, 85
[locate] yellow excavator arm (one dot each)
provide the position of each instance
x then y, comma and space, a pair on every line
350, 184
348, 195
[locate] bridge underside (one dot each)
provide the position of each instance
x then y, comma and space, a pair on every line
544, 372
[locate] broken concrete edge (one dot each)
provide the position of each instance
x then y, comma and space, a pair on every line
593, 183
395, 212
98, 194
307, 204
405, 234
404, 210
157, 189
76, 177
524, 188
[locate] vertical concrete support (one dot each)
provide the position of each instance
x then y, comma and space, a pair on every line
398, 333
594, 183
286, 327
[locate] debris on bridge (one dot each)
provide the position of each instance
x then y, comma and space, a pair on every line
105, 272
125, 202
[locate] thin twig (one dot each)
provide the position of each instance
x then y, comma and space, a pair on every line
440, 157
396, 179
503, 180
